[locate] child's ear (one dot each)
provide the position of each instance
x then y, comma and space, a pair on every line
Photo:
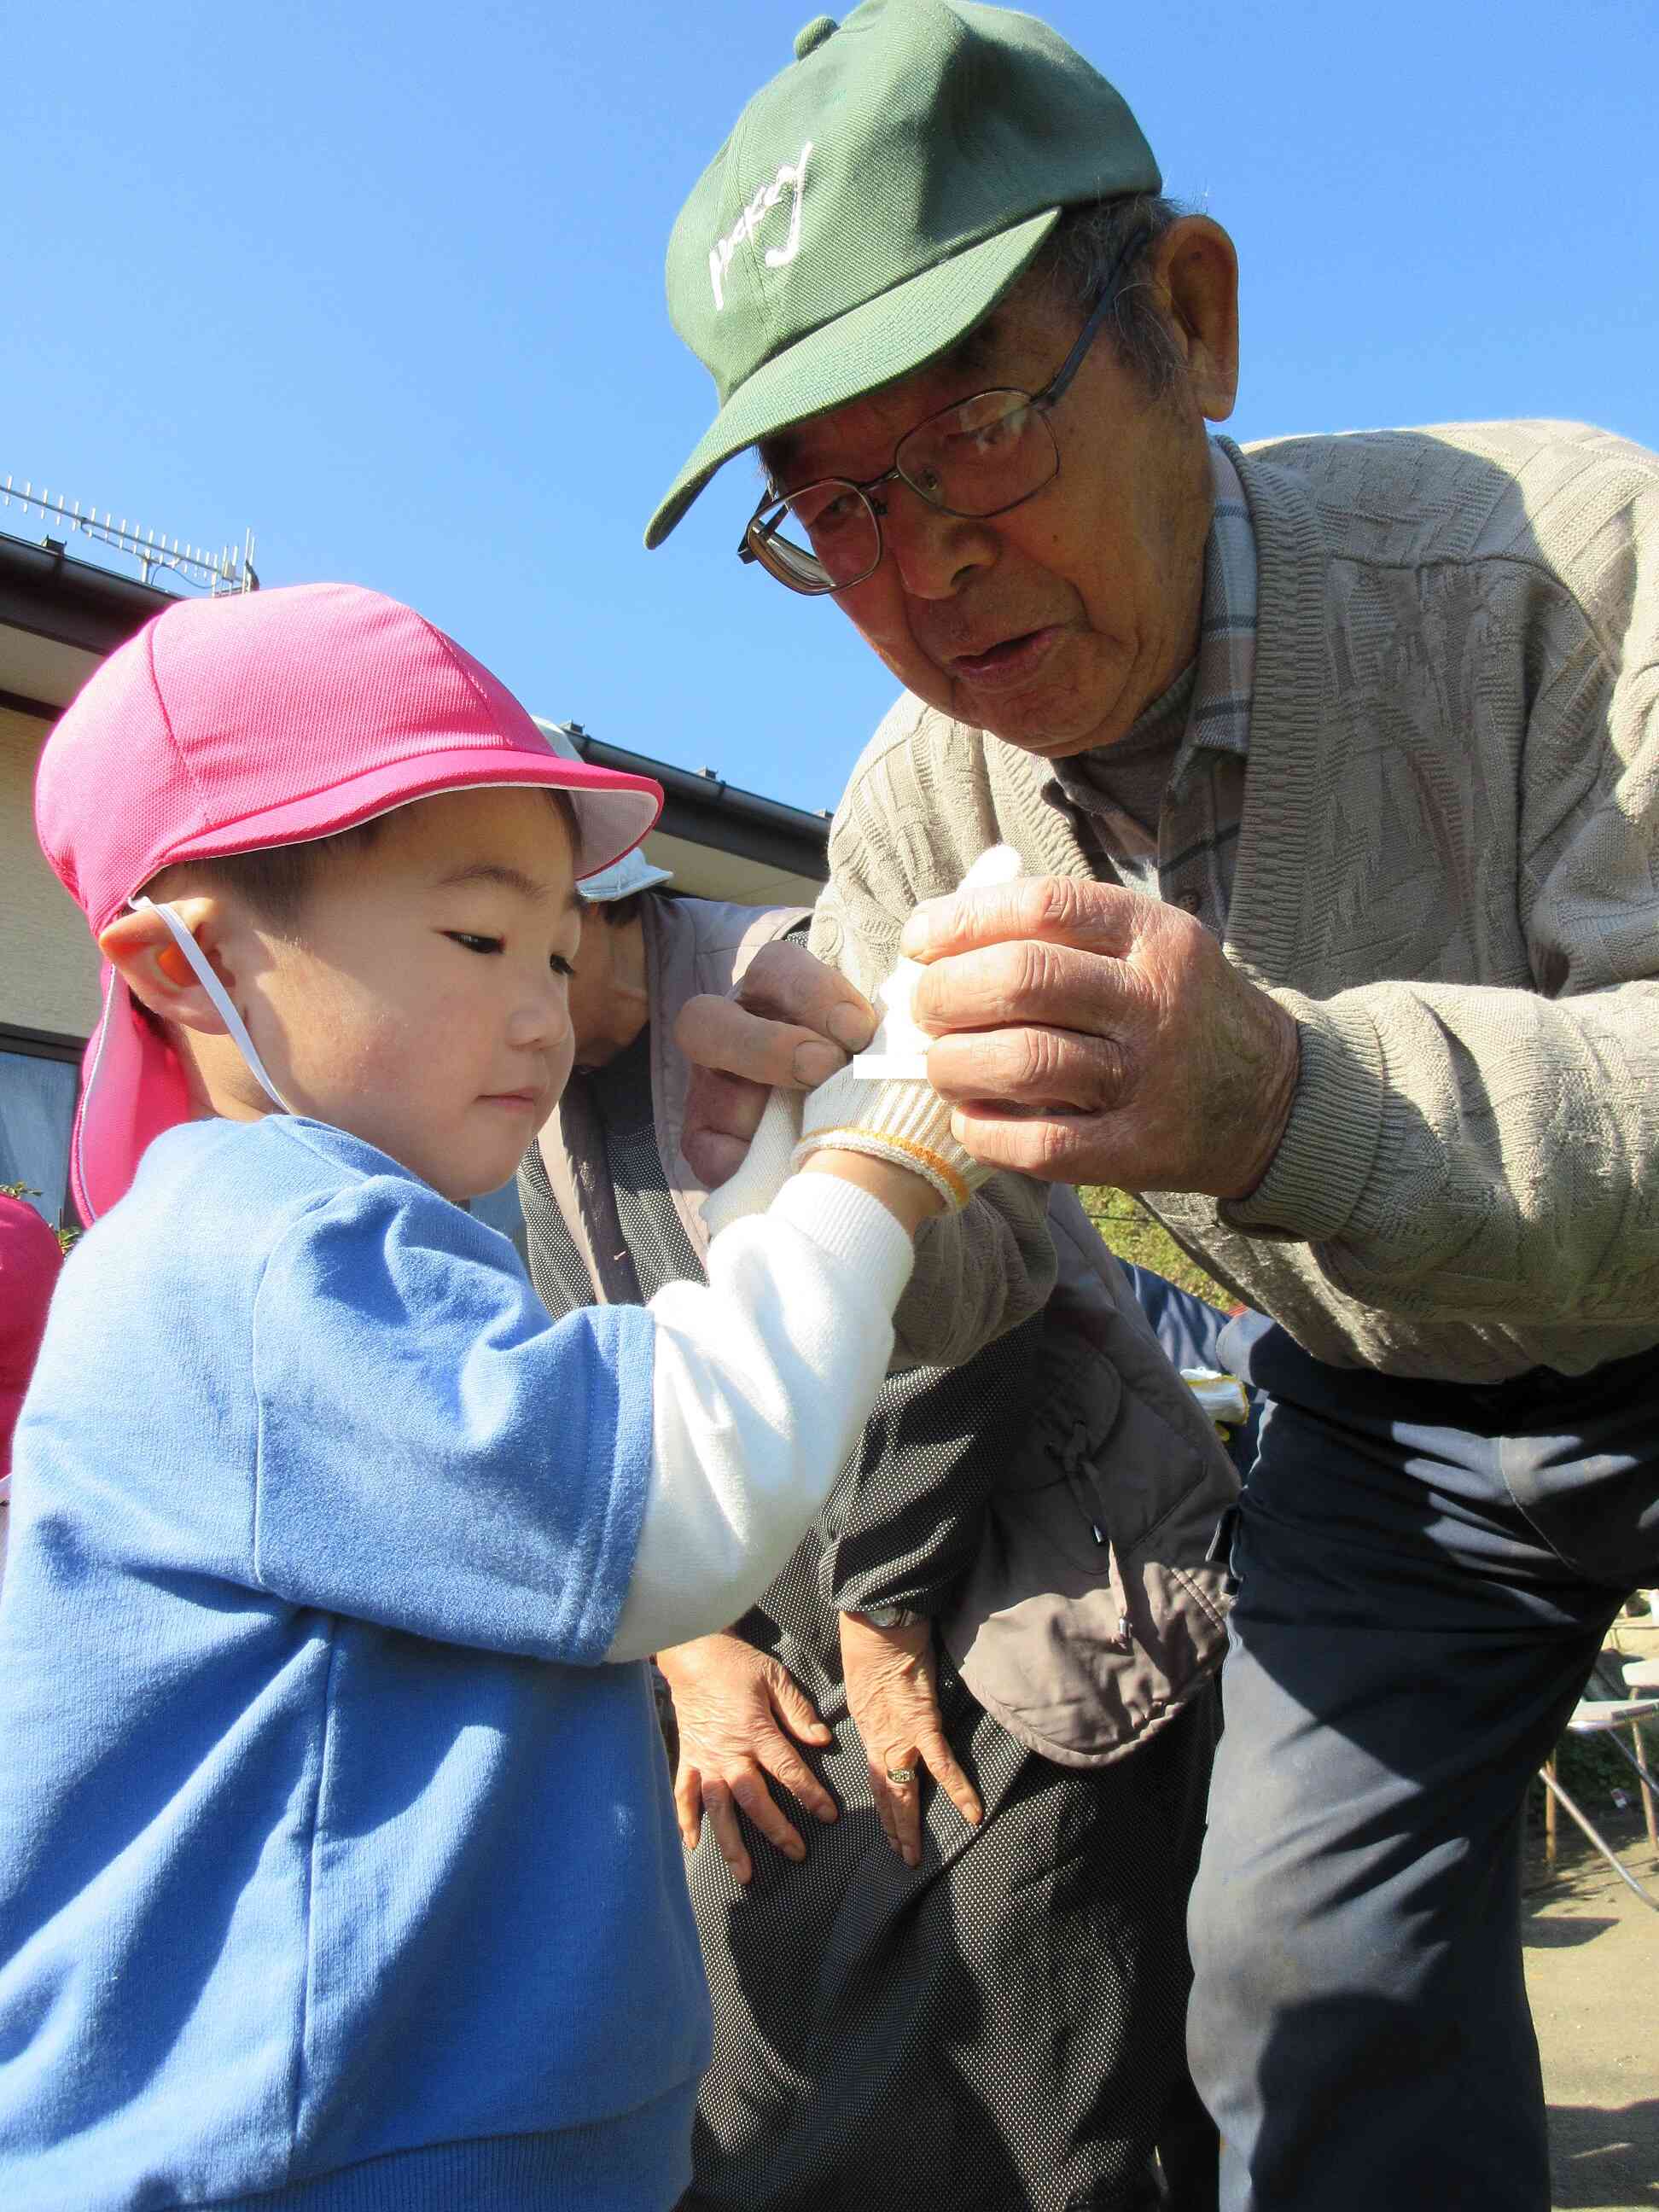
141, 948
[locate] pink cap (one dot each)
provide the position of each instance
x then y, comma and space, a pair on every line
230, 725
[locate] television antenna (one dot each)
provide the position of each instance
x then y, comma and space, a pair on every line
229, 570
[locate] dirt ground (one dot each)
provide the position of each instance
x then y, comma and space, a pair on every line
1592, 1953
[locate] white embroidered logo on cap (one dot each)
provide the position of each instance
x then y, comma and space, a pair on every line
791, 176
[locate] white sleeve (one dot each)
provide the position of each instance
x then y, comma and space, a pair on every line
763, 1381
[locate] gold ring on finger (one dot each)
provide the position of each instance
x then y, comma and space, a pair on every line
900, 1775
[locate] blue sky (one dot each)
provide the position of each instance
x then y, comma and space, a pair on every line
385, 282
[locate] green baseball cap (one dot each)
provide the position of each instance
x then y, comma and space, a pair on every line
875, 200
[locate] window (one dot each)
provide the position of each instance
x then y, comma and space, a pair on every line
39, 1073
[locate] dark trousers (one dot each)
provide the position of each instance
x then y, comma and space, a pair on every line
1425, 1572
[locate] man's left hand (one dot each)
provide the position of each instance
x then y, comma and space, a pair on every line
1087, 1034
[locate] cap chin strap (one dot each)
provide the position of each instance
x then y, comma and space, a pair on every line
216, 991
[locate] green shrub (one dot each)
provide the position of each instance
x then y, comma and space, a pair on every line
1136, 1237
65, 1236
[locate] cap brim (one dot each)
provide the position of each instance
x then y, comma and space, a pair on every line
871, 345
613, 810
132, 1088
632, 874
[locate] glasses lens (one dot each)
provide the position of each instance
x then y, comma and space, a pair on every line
821, 538
986, 453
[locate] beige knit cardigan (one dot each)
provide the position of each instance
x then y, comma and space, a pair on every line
1448, 872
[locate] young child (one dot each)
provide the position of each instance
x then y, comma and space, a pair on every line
338, 1863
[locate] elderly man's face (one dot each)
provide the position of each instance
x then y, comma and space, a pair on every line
1051, 626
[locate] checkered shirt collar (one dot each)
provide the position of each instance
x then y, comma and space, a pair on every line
1220, 718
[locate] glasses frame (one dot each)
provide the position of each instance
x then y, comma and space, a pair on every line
755, 545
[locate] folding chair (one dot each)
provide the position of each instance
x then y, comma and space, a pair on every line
1596, 1716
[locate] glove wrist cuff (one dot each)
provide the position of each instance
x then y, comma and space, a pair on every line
899, 1151
906, 1124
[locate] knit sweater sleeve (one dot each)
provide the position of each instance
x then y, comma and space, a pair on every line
1472, 1151
985, 1269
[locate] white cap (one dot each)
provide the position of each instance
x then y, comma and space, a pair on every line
633, 872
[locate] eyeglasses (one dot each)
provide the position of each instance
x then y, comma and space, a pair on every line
975, 460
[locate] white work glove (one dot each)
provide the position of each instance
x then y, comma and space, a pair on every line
904, 1122
883, 1104
899, 1050
766, 1166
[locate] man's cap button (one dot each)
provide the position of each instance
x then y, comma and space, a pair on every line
809, 41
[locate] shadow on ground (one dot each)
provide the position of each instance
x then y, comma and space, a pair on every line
1564, 1935
1604, 2158
1592, 1954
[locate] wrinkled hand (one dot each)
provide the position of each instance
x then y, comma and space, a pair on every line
1087, 1034
892, 1695
737, 1709
790, 1022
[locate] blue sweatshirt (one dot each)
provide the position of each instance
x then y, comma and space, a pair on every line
335, 1870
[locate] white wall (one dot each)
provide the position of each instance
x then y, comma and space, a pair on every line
704, 872
48, 962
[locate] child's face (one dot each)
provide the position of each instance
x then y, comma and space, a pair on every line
421, 1000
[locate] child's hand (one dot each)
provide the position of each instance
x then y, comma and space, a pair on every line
765, 1169
904, 1125
772, 1157
881, 1109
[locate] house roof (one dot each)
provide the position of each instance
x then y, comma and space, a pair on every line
60, 616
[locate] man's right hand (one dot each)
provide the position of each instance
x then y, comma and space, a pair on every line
790, 1023
737, 1709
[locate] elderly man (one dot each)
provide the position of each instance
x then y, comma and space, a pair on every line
1335, 766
